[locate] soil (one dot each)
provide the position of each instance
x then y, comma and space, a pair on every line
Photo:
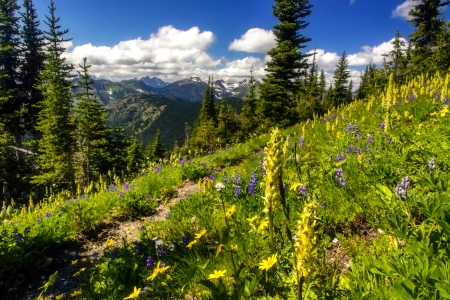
70, 258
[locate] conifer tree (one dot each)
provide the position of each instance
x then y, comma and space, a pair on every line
397, 57
135, 156
119, 144
341, 76
32, 65
10, 100
349, 97
208, 112
157, 147
425, 17
322, 86
250, 104
277, 92
55, 121
91, 132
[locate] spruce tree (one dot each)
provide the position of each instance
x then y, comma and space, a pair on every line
10, 100
425, 17
91, 132
55, 122
135, 155
157, 147
341, 76
397, 57
277, 92
31, 66
118, 145
208, 112
322, 87
349, 97
250, 104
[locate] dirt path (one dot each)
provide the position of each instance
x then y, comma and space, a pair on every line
81, 254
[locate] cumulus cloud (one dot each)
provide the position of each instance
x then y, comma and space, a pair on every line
169, 52
403, 9
254, 40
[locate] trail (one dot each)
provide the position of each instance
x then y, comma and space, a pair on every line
70, 259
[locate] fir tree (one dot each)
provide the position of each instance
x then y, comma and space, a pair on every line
157, 147
208, 112
119, 144
55, 121
250, 105
91, 131
135, 156
397, 57
341, 76
10, 100
277, 102
425, 17
322, 86
349, 97
32, 65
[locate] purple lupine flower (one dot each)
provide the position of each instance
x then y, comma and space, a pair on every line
121, 194
402, 188
358, 151
48, 215
340, 157
342, 181
261, 166
411, 96
237, 179
252, 184
125, 186
184, 240
149, 262
323, 204
357, 136
39, 220
301, 142
446, 100
162, 265
237, 191
369, 139
158, 169
431, 164
349, 128
339, 173
438, 95
366, 149
213, 176
19, 238
328, 119
302, 191
166, 216
382, 125
144, 289
183, 160
203, 164
350, 149
161, 253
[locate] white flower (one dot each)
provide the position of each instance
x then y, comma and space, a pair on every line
335, 240
219, 186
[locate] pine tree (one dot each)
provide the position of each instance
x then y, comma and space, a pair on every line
250, 104
208, 112
426, 19
32, 66
157, 147
119, 144
277, 101
341, 76
397, 57
10, 100
135, 156
91, 131
55, 121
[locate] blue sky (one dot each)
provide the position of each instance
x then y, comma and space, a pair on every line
176, 39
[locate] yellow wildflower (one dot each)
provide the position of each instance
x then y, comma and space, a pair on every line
79, 272
420, 125
263, 224
433, 114
191, 244
109, 242
233, 247
217, 274
76, 293
272, 165
157, 270
304, 245
74, 262
59, 297
200, 234
252, 219
219, 249
444, 111
268, 263
230, 211
134, 294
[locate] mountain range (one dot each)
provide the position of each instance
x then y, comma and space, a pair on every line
191, 89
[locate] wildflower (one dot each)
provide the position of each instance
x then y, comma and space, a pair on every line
160, 269
402, 188
237, 191
446, 100
438, 95
323, 204
121, 194
19, 238
263, 224
95, 255
166, 216
237, 179
233, 247
76, 293
39, 220
340, 157
230, 211
109, 242
268, 263
339, 172
74, 262
158, 169
48, 215
252, 184
217, 274
59, 297
79, 272
252, 219
369, 139
431, 164
161, 253
335, 241
149, 262
382, 125
200, 234
301, 142
444, 111
134, 295
184, 240
219, 249
191, 244
302, 191
305, 243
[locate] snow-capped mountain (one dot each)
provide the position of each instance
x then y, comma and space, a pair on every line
154, 82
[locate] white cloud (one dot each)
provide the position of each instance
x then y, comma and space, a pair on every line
170, 53
254, 40
403, 9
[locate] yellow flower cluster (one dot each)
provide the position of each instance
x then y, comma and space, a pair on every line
157, 270
197, 237
304, 245
272, 165
134, 295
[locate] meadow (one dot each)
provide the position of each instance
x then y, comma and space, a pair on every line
350, 205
